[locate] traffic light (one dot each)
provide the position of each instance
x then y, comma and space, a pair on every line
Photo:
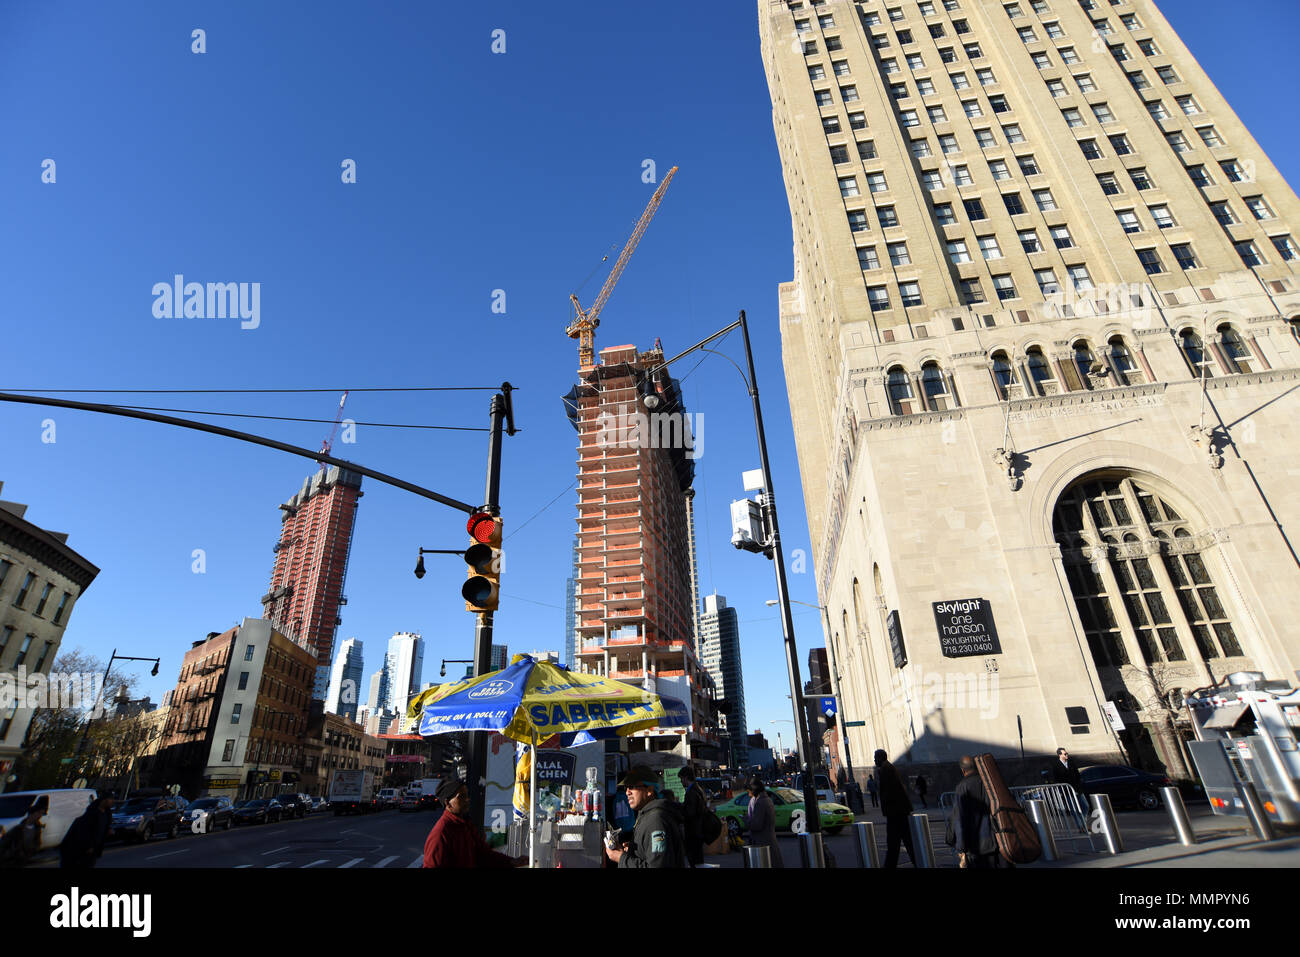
483, 577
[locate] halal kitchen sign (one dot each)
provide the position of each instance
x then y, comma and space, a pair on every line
555, 768
966, 628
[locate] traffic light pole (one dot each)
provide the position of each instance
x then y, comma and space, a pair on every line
500, 411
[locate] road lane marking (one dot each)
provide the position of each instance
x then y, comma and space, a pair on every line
386, 861
278, 849
270, 833
154, 857
355, 860
281, 864
239, 867
314, 863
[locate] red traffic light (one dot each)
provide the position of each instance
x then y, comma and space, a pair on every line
483, 527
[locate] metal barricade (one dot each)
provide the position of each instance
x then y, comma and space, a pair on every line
757, 856
1065, 812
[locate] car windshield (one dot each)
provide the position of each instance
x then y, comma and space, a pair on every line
787, 795
15, 805
138, 806
203, 804
261, 803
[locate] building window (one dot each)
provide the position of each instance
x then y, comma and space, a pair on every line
1128, 220
1079, 277
921, 148
243, 680
900, 391
937, 115
1012, 132
5, 634
823, 97
1150, 260
1188, 104
887, 216
974, 210
830, 124
924, 87
944, 214
1086, 362
935, 387
1003, 374
999, 169
1223, 213
1040, 372
1029, 241
22, 592
1198, 360
1184, 256
63, 604
961, 176
1090, 150
1210, 136
957, 251
849, 93
1028, 165
915, 62
989, 247
959, 81
1178, 143
866, 149
1248, 253
971, 291
841, 67
1026, 34
23, 648
1257, 206
816, 72
898, 254
1073, 118
909, 293
947, 55
867, 257
1141, 181
1102, 112
1015, 206
39, 667
878, 297
1233, 170
948, 144
1121, 360
1199, 176
1067, 55
932, 180
909, 118
1119, 53
848, 186
1061, 237
839, 154
1234, 349
857, 224
1047, 284
1120, 144
45, 592
1139, 80
1056, 88
1285, 247
1044, 199
1084, 81
999, 104
876, 182
985, 138
1005, 288
985, 76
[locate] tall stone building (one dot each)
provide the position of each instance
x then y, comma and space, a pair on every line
345, 680
720, 654
1042, 345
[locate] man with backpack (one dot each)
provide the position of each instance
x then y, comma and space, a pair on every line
970, 827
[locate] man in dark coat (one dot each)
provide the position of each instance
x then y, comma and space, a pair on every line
657, 838
694, 807
455, 840
896, 806
84, 843
1063, 770
971, 821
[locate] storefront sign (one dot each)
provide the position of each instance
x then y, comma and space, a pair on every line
222, 784
966, 628
895, 629
555, 768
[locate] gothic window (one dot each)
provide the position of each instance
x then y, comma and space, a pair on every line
1126, 369
901, 399
1040, 371
1194, 352
1003, 374
1134, 565
1085, 361
935, 387
1234, 349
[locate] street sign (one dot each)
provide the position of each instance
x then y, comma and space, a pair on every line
1112, 713
828, 707
895, 629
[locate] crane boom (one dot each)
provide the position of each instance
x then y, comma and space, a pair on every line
329, 442
583, 326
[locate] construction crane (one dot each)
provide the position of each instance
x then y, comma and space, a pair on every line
583, 326
329, 442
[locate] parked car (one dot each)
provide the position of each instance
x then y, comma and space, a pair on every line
65, 806
320, 803
259, 811
788, 803
388, 797
1126, 786
294, 805
140, 818
219, 810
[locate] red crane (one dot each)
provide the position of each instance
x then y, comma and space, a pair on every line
329, 442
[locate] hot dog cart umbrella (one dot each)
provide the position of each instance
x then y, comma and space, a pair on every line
531, 700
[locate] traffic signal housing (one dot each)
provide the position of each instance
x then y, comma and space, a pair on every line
482, 586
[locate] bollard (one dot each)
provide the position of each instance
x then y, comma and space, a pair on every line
758, 856
1255, 811
920, 825
1178, 816
1043, 824
1103, 815
868, 853
812, 851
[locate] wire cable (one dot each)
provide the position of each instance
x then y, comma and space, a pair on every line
542, 509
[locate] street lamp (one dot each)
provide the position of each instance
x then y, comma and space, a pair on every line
835, 682
772, 547
442, 672
99, 698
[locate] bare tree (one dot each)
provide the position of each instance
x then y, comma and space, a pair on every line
1158, 690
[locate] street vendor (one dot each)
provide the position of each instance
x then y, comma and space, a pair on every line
455, 840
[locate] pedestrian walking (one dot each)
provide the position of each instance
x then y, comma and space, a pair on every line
1063, 771
657, 837
22, 843
874, 789
761, 820
455, 840
83, 845
970, 826
896, 806
694, 807
922, 788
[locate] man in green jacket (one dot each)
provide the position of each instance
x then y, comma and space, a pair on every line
657, 839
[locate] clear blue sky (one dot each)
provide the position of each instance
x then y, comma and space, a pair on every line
475, 172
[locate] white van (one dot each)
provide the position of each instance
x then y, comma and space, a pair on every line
66, 805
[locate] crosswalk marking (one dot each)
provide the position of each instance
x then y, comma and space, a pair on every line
355, 860
281, 864
242, 866
276, 850
418, 862
314, 863
386, 861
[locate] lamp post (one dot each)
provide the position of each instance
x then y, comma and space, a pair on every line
835, 682
442, 672
773, 549
99, 698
